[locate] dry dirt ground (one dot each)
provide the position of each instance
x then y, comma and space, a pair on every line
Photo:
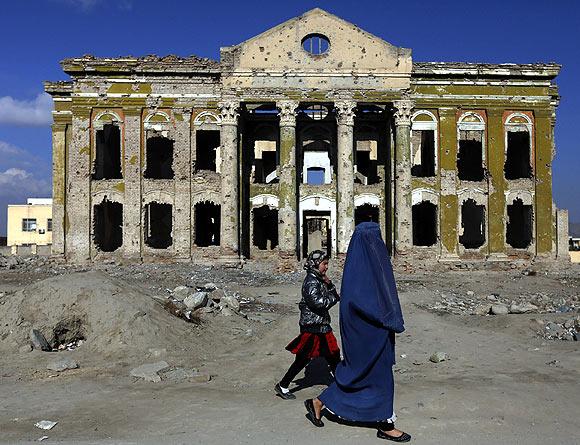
504, 381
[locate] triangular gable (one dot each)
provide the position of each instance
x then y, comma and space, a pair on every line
351, 50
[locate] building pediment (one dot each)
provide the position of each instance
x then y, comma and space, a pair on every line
314, 46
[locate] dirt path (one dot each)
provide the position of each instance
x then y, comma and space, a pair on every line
501, 383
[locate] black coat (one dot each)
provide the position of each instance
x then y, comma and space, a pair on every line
317, 298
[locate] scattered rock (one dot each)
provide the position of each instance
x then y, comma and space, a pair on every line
231, 302
499, 309
39, 341
492, 297
438, 357
45, 424
482, 309
181, 292
563, 309
470, 293
149, 371
209, 287
523, 308
63, 364
196, 300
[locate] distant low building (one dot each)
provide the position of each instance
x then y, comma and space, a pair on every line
30, 224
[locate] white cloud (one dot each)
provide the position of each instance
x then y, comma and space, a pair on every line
18, 184
31, 113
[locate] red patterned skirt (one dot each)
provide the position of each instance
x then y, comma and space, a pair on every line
314, 345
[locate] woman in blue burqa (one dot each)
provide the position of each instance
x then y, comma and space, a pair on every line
370, 316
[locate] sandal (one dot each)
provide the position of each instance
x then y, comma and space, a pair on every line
404, 437
311, 415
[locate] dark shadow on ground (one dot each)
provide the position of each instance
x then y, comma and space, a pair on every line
315, 373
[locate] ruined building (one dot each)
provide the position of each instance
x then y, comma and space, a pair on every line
293, 138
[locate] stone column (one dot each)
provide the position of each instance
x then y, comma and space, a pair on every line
403, 188
182, 170
229, 176
345, 174
59, 142
132, 176
288, 189
77, 220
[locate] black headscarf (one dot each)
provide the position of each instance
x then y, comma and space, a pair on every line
314, 259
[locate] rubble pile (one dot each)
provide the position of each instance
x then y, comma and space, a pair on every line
496, 304
566, 330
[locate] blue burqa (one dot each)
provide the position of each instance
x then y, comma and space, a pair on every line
370, 315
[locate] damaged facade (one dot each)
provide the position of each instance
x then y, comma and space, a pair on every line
293, 138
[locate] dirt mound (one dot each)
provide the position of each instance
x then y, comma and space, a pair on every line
110, 316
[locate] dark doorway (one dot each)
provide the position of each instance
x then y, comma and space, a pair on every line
159, 153
519, 226
265, 228
158, 225
316, 232
108, 153
108, 225
207, 224
517, 162
206, 144
424, 224
366, 213
473, 223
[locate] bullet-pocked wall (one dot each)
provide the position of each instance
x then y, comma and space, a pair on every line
292, 139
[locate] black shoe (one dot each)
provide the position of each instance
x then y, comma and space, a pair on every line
311, 414
282, 394
402, 438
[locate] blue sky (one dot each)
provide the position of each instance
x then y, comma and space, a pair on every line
37, 34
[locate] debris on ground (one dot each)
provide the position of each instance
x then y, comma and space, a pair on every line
45, 424
150, 371
438, 357
62, 364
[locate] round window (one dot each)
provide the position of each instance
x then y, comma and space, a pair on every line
316, 112
315, 44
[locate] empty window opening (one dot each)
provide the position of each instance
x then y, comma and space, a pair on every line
265, 162
366, 162
424, 224
108, 153
316, 163
207, 224
470, 156
207, 143
473, 225
265, 228
519, 225
316, 232
315, 175
366, 213
108, 225
158, 225
159, 158
423, 143
517, 163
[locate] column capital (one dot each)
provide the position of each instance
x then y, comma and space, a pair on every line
287, 112
403, 110
229, 111
345, 112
